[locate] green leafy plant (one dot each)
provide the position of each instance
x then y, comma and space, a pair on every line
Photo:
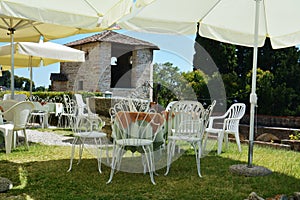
295, 136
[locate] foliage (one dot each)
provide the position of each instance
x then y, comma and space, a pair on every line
198, 81
278, 74
170, 84
48, 95
295, 136
20, 83
165, 77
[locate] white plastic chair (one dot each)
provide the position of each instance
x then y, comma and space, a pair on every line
17, 97
82, 109
86, 130
186, 122
6, 104
231, 120
16, 117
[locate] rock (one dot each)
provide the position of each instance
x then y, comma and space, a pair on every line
296, 196
5, 184
244, 170
267, 137
254, 196
278, 197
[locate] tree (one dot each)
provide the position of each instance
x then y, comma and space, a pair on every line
176, 85
198, 81
19, 82
166, 75
5, 79
278, 77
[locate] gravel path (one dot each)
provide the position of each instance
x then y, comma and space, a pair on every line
48, 138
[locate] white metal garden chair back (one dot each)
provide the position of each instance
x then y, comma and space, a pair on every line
129, 104
135, 129
88, 133
186, 122
170, 104
69, 111
183, 106
231, 120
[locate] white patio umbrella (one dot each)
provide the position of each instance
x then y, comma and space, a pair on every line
28, 20
241, 22
30, 54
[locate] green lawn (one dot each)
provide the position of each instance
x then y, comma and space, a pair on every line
41, 173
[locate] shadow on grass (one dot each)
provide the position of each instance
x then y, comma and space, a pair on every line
50, 180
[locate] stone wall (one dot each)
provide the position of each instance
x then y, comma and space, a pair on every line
274, 121
59, 86
95, 73
279, 126
87, 72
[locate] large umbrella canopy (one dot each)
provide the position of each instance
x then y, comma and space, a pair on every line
45, 53
28, 20
56, 19
241, 22
30, 54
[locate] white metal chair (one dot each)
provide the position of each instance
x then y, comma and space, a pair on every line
186, 122
135, 129
231, 120
41, 112
182, 106
69, 112
170, 104
129, 104
16, 118
86, 130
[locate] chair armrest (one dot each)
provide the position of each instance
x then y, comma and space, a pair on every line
211, 120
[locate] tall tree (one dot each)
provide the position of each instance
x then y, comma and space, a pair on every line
278, 79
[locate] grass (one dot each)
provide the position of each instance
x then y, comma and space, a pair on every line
41, 173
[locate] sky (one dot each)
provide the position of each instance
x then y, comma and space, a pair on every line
175, 49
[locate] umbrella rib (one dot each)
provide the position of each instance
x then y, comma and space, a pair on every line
265, 15
95, 9
213, 7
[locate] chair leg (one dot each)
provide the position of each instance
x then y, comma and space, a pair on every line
26, 139
197, 148
8, 140
116, 153
148, 155
170, 150
72, 153
205, 142
107, 155
99, 154
237, 139
220, 142
81, 147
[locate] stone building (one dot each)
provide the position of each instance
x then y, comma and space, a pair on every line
114, 62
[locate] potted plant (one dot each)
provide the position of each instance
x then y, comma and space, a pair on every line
293, 141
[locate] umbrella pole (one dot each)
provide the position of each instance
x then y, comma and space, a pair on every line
253, 96
30, 63
12, 75
249, 169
